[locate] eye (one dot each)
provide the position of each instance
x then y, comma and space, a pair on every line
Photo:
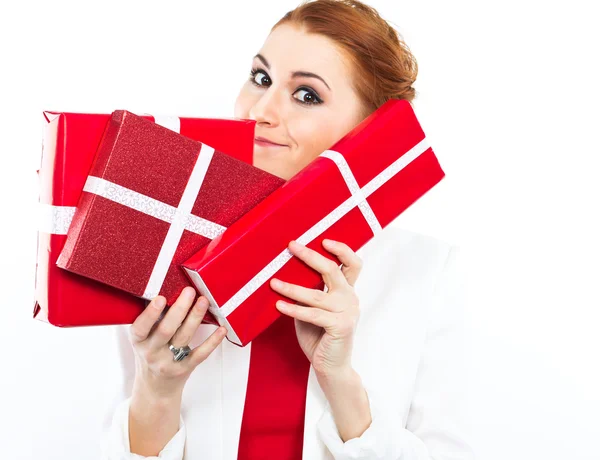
261, 79
309, 97
257, 81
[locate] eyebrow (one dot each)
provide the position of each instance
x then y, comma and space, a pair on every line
297, 73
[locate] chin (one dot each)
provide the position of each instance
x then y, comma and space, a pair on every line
268, 166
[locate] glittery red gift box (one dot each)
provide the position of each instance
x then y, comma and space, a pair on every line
153, 198
70, 142
348, 193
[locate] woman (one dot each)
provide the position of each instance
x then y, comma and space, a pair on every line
383, 379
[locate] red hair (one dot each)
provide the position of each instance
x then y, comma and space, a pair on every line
384, 68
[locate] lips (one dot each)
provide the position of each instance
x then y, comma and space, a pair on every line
265, 141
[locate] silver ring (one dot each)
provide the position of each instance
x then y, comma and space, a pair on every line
179, 353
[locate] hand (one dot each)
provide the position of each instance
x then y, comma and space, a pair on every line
325, 321
156, 371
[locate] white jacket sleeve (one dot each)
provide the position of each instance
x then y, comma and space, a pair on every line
435, 423
115, 440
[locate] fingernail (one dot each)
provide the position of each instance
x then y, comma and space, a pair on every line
201, 303
275, 282
159, 303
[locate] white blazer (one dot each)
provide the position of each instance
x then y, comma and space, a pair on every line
408, 350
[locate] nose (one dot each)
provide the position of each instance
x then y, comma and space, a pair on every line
267, 109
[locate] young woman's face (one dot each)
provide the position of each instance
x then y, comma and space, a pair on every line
299, 92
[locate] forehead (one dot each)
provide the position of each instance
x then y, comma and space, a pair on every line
288, 48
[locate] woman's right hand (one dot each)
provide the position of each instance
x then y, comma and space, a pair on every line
157, 374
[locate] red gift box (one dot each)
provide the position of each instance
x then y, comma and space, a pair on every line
70, 142
348, 193
151, 200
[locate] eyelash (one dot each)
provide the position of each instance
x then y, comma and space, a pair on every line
317, 101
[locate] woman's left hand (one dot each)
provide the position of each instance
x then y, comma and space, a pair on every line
325, 321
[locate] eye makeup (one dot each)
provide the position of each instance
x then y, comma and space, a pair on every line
316, 100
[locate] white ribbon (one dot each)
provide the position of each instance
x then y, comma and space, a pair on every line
358, 197
57, 219
152, 207
169, 122
54, 219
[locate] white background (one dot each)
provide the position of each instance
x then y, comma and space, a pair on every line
508, 94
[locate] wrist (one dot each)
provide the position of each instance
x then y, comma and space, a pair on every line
153, 420
341, 376
348, 402
145, 393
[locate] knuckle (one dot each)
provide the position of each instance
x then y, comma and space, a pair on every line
149, 358
164, 332
314, 314
331, 267
164, 368
182, 338
319, 296
178, 371
135, 334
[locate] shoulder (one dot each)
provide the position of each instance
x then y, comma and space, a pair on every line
401, 275
403, 250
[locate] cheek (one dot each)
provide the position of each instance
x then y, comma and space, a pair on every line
243, 104
315, 135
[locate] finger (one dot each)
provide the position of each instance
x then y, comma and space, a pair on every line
167, 327
186, 331
352, 263
202, 351
332, 275
141, 327
316, 316
312, 297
